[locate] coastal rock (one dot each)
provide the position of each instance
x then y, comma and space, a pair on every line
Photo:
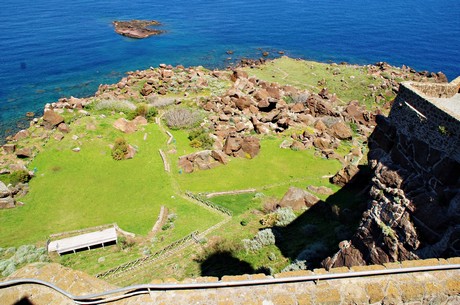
25, 152
137, 28
9, 148
22, 134
298, 199
52, 119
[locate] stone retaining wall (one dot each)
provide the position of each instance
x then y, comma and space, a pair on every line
432, 287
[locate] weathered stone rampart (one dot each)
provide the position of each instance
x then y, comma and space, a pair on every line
414, 155
427, 287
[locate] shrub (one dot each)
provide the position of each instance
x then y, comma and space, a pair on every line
262, 238
244, 222
284, 216
313, 251
9, 268
180, 118
125, 243
143, 110
20, 176
200, 137
114, 105
296, 265
119, 149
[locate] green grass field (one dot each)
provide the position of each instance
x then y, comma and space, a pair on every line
78, 190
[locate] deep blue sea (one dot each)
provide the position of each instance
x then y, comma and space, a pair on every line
53, 48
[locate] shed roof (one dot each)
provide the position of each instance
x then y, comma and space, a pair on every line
83, 241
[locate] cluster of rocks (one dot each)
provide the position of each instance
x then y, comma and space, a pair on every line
149, 84
235, 145
8, 194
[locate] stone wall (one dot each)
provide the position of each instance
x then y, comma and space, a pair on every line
414, 210
427, 287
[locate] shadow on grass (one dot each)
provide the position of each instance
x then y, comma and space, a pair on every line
224, 263
315, 234
312, 236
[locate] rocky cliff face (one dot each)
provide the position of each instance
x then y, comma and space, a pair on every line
414, 210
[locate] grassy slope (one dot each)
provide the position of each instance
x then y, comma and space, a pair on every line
78, 190
349, 84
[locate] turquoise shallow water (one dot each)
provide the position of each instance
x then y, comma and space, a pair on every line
52, 49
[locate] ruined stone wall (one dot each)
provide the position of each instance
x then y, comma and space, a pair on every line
414, 210
427, 287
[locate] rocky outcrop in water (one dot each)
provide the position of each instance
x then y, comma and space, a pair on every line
137, 28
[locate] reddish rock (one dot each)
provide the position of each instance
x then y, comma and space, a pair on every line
242, 103
251, 146
146, 89
219, 156
298, 199
347, 256
274, 92
63, 128
239, 74
343, 176
140, 121
25, 152
125, 126
52, 119
298, 108
232, 144
22, 134
131, 152
320, 126
58, 137
137, 28
9, 148
240, 127
262, 94
296, 145
341, 131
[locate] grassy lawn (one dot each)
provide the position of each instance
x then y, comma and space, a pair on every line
271, 169
78, 190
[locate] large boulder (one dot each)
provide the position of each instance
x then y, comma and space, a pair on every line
298, 199
125, 126
4, 190
341, 131
25, 152
52, 119
345, 175
22, 134
251, 146
7, 203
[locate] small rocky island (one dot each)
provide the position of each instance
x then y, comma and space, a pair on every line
137, 28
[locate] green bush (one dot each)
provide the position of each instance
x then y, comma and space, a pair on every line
20, 176
284, 216
200, 138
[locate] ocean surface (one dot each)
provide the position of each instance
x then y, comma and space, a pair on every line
51, 49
